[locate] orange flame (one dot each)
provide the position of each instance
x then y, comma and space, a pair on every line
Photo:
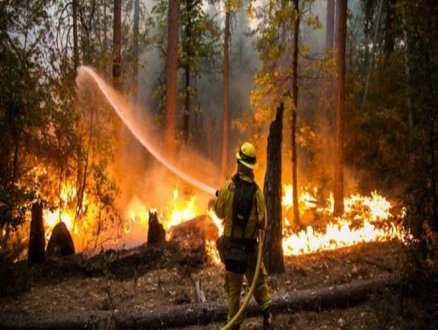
181, 211
365, 219
370, 215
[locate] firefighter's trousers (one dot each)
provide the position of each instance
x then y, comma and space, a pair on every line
233, 287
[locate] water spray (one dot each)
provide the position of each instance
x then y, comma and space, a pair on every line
133, 123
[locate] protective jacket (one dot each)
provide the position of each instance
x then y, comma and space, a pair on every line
224, 210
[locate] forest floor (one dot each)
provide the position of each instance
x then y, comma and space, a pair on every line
168, 280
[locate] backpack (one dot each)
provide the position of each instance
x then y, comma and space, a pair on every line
236, 248
243, 201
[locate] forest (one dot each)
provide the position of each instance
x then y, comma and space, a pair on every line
120, 120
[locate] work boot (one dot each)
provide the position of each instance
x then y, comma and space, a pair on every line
267, 319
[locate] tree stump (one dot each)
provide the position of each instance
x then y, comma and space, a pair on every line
37, 241
60, 242
156, 232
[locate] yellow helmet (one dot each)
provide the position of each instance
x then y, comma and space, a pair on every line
247, 155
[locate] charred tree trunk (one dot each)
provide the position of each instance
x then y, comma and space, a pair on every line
226, 75
171, 79
273, 249
390, 27
156, 232
338, 191
75, 35
295, 191
37, 240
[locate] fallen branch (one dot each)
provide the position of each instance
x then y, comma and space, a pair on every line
340, 296
199, 293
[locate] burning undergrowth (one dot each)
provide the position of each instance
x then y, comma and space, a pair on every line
366, 219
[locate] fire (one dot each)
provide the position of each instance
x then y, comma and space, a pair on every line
365, 219
210, 248
68, 192
218, 222
52, 218
181, 210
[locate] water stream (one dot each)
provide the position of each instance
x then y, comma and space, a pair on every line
136, 123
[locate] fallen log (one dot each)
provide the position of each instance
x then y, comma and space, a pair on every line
200, 228
341, 296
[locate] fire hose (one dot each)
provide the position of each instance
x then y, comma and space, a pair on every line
252, 288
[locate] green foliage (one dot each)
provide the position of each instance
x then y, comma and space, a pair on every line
24, 111
274, 78
395, 139
199, 50
50, 149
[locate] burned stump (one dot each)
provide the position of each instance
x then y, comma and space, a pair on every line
156, 232
37, 240
60, 242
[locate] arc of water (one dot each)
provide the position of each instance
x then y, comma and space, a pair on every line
134, 125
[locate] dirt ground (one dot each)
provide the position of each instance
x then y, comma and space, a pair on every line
172, 283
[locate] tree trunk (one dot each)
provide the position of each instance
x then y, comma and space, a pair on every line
273, 249
156, 232
373, 55
390, 27
135, 49
187, 69
226, 75
342, 296
37, 239
338, 191
117, 81
330, 26
295, 191
75, 36
171, 79
117, 44
328, 78
407, 64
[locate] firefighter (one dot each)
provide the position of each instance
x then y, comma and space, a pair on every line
246, 232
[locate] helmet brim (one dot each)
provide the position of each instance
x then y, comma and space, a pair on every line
251, 166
